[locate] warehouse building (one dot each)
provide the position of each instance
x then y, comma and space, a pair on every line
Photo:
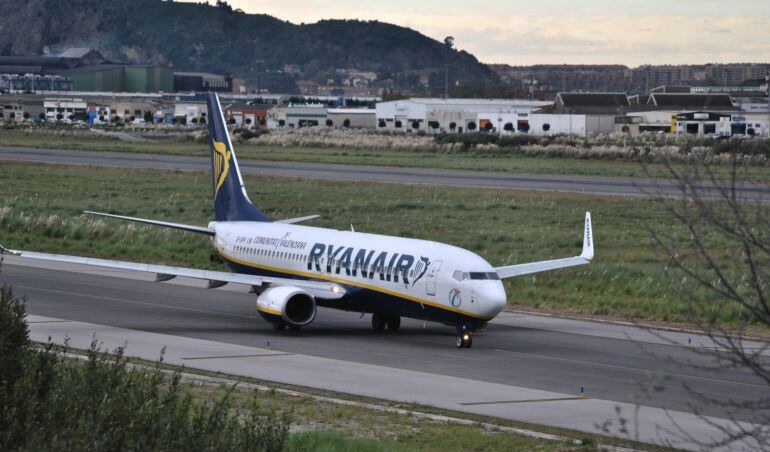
448, 115
296, 116
580, 114
246, 115
202, 82
84, 69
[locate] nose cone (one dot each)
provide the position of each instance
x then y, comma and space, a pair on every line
492, 294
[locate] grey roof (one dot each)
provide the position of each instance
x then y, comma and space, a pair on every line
198, 74
692, 101
75, 52
593, 99
591, 103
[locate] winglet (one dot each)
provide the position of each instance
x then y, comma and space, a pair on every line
297, 220
588, 239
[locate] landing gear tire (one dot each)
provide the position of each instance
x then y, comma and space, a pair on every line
394, 323
464, 340
379, 322
279, 326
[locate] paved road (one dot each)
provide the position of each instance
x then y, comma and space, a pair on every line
527, 351
572, 184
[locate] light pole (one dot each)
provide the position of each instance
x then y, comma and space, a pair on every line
449, 42
259, 76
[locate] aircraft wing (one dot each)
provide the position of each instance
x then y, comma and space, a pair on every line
585, 257
319, 289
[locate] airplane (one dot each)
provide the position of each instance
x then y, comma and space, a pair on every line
294, 269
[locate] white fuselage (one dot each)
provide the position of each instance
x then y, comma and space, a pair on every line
425, 272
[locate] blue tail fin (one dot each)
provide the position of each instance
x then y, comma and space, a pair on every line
230, 200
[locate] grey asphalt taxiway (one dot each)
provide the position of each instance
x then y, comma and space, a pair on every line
571, 184
523, 367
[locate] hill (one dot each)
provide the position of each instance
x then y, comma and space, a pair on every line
202, 37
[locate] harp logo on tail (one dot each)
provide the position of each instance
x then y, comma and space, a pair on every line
221, 164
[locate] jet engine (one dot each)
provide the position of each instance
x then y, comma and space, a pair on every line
290, 305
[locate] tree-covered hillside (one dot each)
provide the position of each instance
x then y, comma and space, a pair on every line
202, 37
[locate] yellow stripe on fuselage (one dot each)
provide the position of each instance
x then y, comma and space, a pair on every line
352, 283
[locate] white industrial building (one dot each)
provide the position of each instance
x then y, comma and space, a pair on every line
450, 115
65, 110
296, 116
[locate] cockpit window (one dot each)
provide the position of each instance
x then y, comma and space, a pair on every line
464, 276
484, 275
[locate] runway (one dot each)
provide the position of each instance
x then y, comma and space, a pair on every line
522, 351
554, 183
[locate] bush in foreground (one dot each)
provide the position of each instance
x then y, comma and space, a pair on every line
51, 402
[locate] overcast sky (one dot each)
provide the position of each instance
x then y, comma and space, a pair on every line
630, 32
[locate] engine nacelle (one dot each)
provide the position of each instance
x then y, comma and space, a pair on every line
290, 305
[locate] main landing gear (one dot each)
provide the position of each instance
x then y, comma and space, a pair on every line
280, 326
464, 338
380, 321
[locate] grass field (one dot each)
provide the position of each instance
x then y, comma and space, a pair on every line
40, 209
459, 160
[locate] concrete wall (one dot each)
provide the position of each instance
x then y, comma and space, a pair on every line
557, 124
358, 119
600, 124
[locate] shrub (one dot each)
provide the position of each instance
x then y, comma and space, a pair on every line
508, 126
329, 123
452, 125
55, 403
471, 126
13, 339
398, 124
517, 140
415, 124
346, 123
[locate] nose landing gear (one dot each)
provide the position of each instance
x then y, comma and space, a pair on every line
464, 340
464, 337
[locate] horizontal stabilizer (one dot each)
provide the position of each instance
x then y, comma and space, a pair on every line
184, 227
585, 257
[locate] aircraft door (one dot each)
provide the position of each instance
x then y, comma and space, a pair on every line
430, 278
